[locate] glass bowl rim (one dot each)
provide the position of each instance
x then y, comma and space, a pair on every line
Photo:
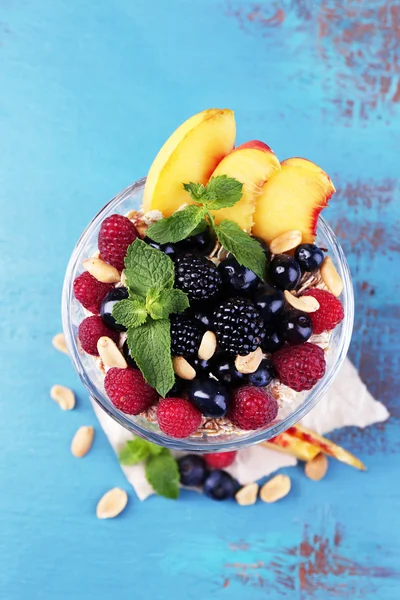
195, 444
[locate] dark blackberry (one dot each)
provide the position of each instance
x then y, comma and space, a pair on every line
185, 336
198, 277
238, 326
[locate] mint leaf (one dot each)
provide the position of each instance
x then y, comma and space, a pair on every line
163, 475
130, 312
137, 450
202, 226
222, 192
247, 251
167, 302
146, 267
150, 346
177, 227
196, 190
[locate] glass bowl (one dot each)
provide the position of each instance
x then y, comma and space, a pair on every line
289, 414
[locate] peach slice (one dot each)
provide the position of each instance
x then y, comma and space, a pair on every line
252, 164
190, 154
326, 446
292, 198
289, 444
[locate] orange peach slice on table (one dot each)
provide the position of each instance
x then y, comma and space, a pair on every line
289, 444
292, 198
326, 446
252, 164
190, 154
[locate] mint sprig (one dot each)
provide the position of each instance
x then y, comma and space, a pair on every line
150, 278
161, 468
136, 451
220, 192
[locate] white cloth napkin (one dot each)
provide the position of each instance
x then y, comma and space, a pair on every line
347, 403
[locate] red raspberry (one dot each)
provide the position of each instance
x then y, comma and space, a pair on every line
116, 234
220, 460
330, 312
299, 367
91, 330
177, 417
129, 391
252, 408
90, 292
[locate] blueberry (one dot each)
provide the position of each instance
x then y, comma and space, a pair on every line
127, 355
192, 469
236, 279
223, 368
209, 396
264, 246
295, 327
219, 485
309, 257
177, 389
168, 249
107, 306
263, 375
201, 366
200, 244
272, 341
284, 271
269, 302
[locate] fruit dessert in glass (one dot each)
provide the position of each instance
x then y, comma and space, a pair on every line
202, 306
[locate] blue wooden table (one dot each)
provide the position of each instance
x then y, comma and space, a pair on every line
88, 93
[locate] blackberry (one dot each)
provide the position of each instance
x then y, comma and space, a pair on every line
185, 336
238, 326
198, 277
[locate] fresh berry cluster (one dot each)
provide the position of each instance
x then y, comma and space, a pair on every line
207, 472
255, 334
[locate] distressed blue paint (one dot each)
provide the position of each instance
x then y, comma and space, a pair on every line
89, 91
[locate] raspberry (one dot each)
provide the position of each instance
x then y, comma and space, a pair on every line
238, 326
128, 390
91, 330
90, 292
198, 277
177, 417
330, 312
252, 408
185, 336
299, 367
220, 460
116, 234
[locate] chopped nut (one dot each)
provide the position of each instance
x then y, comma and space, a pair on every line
111, 504
64, 397
276, 488
208, 345
307, 304
82, 441
182, 368
316, 468
59, 343
110, 354
286, 241
331, 277
249, 363
101, 270
142, 228
247, 495
132, 214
